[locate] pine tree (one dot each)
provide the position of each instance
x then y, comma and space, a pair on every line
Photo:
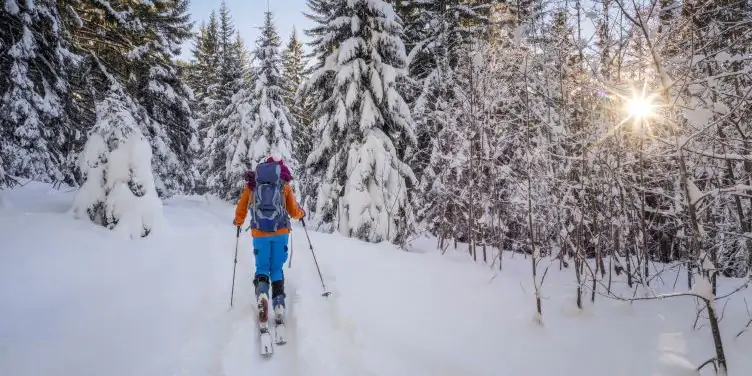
204, 76
300, 105
322, 13
365, 124
38, 119
273, 121
119, 192
231, 67
137, 110
134, 45
206, 84
226, 98
227, 148
255, 125
5, 180
448, 31
166, 98
244, 58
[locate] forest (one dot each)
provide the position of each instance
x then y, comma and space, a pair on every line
608, 130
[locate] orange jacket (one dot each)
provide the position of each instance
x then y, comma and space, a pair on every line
241, 210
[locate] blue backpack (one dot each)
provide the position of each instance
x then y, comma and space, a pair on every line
268, 212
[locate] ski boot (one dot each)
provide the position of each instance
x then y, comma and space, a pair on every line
262, 300
278, 304
278, 301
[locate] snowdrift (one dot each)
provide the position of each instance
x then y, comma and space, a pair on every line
80, 300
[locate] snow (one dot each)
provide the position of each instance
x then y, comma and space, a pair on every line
81, 300
673, 359
11, 6
119, 192
695, 195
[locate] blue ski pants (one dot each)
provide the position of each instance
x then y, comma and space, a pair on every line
271, 254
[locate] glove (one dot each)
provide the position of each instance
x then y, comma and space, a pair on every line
303, 216
238, 235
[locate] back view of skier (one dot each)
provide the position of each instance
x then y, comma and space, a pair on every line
269, 198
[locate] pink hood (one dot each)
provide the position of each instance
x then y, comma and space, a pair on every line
250, 176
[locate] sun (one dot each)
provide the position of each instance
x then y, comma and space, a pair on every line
640, 107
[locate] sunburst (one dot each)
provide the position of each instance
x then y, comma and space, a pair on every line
640, 107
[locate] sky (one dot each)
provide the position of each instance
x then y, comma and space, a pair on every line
248, 17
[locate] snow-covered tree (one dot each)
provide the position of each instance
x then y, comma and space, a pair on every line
205, 62
716, 102
160, 90
255, 125
446, 32
321, 13
225, 97
119, 191
135, 43
273, 120
365, 124
231, 68
37, 115
204, 71
300, 105
5, 180
226, 151
205, 82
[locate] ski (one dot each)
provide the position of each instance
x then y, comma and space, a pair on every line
266, 343
280, 333
265, 337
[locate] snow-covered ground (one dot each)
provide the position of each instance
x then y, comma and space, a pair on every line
76, 299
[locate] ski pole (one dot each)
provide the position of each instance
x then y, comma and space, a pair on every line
235, 263
326, 293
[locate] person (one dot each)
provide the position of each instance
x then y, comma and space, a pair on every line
270, 199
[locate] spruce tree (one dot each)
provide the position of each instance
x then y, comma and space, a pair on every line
5, 180
318, 90
447, 32
299, 105
38, 119
134, 46
231, 67
255, 125
224, 125
273, 121
322, 14
204, 75
203, 78
206, 84
138, 118
119, 191
161, 91
366, 128
244, 55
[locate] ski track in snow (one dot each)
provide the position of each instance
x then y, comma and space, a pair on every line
169, 308
323, 325
75, 299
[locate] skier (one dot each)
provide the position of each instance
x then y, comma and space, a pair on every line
269, 197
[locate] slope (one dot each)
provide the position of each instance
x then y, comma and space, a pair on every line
77, 300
